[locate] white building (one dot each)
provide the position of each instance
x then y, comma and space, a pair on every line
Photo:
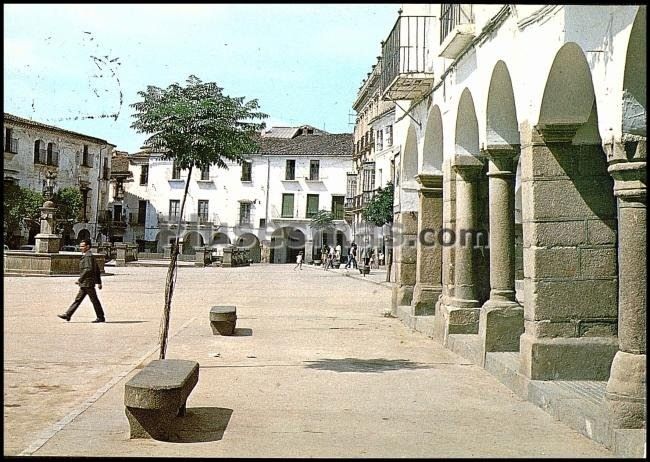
32, 148
265, 204
526, 124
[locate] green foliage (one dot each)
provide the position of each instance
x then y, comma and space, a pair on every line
379, 210
197, 125
21, 206
68, 202
323, 220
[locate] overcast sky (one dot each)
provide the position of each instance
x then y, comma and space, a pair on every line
78, 66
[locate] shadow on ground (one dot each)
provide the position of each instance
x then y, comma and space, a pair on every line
201, 425
364, 365
243, 332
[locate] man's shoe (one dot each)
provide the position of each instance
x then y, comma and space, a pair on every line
64, 316
99, 320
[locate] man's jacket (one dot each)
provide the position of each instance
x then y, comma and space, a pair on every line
89, 271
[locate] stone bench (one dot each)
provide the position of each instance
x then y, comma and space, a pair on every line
156, 395
223, 319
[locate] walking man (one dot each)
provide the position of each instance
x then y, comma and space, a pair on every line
352, 254
89, 276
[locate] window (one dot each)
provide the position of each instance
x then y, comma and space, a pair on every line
389, 136
142, 212
368, 176
40, 155
144, 175
174, 209
86, 159
262, 222
176, 171
244, 213
379, 177
337, 207
11, 144
313, 169
106, 171
312, 205
287, 206
352, 185
203, 210
380, 140
205, 173
52, 154
290, 173
246, 171
117, 213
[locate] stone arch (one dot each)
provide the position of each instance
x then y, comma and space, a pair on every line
191, 239
410, 156
83, 234
250, 242
286, 243
162, 239
220, 238
432, 152
569, 92
467, 136
569, 222
502, 126
634, 80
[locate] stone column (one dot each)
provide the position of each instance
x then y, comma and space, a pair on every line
626, 388
501, 321
227, 256
309, 248
428, 273
167, 251
405, 228
120, 254
461, 314
200, 256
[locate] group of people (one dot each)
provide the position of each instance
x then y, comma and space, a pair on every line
331, 255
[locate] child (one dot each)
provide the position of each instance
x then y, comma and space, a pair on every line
298, 261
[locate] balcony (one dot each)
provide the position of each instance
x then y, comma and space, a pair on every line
193, 219
359, 201
457, 29
404, 74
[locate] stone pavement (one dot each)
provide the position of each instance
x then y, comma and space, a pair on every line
314, 370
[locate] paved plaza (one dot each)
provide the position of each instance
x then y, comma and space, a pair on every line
315, 369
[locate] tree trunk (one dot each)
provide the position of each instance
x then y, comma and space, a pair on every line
171, 276
389, 253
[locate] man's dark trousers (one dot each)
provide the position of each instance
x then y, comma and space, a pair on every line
92, 294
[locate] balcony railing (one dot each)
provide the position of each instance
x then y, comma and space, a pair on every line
360, 200
456, 28
192, 218
404, 73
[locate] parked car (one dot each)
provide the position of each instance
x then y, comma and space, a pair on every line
70, 248
29, 247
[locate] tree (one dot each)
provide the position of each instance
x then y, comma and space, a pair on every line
196, 125
379, 211
68, 203
323, 220
21, 209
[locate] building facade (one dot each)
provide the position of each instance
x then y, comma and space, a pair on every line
522, 132
266, 204
33, 149
373, 157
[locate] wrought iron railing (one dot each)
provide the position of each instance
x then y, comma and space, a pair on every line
453, 14
405, 49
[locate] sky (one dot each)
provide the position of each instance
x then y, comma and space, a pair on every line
80, 66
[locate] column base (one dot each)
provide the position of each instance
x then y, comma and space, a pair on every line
402, 295
560, 358
501, 323
424, 299
626, 391
456, 316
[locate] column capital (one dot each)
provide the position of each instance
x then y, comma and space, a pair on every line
628, 148
467, 166
498, 151
429, 180
629, 180
555, 132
